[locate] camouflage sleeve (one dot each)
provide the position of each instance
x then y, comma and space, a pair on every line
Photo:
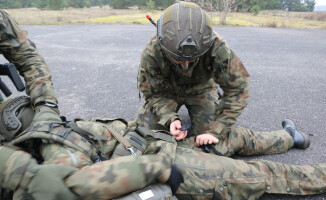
232, 77
16, 48
13, 168
119, 176
154, 86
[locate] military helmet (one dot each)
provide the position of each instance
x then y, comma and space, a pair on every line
184, 31
16, 115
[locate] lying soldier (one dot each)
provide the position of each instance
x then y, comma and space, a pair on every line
103, 148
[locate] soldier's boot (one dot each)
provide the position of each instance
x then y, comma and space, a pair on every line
300, 139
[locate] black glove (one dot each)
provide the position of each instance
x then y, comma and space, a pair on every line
176, 178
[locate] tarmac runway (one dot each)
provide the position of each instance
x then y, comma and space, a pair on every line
94, 70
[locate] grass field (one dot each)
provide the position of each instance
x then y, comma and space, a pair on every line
107, 15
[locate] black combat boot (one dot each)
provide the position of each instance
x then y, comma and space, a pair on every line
301, 140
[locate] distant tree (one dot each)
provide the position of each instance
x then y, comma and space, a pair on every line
41, 4
150, 5
141, 3
163, 3
26, 3
97, 2
298, 5
52, 4
88, 4
274, 5
56, 4
3, 4
247, 5
121, 4
310, 5
15, 4
76, 3
255, 9
105, 2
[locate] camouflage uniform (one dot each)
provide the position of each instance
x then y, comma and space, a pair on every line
206, 176
209, 114
17, 49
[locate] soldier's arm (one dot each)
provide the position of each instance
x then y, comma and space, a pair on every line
17, 49
20, 172
231, 75
116, 177
13, 166
154, 86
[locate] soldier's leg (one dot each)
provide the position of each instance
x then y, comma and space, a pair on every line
201, 109
146, 118
216, 177
243, 141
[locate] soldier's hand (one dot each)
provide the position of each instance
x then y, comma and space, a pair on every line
182, 135
175, 127
48, 182
205, 138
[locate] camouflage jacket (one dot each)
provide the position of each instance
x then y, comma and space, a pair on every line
16, 48
219, 66
145, 169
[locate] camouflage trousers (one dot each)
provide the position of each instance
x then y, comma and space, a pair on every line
243, 141
206, 176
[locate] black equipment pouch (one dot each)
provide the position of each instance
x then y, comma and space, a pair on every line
138, 143
161, 135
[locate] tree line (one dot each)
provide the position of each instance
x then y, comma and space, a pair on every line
238, 5
51, 4
290, 5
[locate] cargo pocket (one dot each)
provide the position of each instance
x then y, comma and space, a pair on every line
240, 188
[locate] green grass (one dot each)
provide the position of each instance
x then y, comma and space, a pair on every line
107, 15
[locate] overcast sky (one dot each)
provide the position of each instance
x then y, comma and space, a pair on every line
320, 2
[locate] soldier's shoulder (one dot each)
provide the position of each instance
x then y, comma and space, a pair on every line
220, 48
217, 38
152, 51
3, 13
3, 18
152, 46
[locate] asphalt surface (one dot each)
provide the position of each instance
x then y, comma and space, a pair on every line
94, 71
